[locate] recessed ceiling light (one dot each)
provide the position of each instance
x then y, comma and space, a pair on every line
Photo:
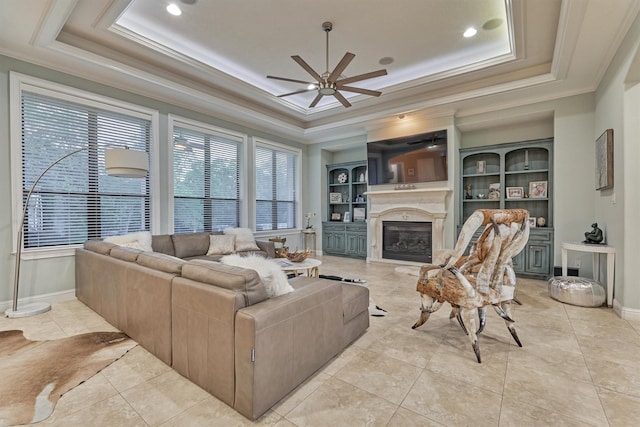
174, 9
470, 32
386, 60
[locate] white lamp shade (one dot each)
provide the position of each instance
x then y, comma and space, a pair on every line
126, 163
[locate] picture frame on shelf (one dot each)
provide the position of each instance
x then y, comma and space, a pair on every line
515, 192
359, 214
532, 221
347, 217
538, 189
336, 216
604, 160
494, 191
335, 197
482, 166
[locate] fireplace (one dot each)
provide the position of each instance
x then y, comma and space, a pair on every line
407, 241
413, 206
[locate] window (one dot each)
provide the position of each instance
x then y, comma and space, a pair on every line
76, 200
206, 179
276, 170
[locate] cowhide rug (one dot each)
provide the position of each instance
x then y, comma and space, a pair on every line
34, 374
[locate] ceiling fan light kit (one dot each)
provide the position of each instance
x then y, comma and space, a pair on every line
330, 83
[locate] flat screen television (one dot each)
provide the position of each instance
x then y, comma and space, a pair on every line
408, 160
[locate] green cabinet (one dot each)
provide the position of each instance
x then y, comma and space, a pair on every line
348, 239
345, 231
510, 176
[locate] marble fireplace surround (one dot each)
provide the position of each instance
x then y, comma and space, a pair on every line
420, 204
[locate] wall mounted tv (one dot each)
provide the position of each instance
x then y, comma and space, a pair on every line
408, 160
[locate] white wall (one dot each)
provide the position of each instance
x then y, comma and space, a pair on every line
618, 108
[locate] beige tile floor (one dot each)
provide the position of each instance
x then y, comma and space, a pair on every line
578, 367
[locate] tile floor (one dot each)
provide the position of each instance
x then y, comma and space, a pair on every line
578, 367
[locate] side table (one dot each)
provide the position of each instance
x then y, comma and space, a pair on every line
596, 250
309, 240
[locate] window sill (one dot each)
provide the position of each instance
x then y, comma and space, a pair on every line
58, 252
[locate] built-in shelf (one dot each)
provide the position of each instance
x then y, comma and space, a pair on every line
517, 166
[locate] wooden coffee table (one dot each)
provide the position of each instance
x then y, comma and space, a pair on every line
310, 265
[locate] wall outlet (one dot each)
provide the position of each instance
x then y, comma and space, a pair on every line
577, 263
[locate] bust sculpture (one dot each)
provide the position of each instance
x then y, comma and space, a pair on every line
594, 236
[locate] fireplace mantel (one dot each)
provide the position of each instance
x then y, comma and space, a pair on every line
418, 204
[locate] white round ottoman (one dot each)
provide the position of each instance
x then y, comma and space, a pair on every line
577, 291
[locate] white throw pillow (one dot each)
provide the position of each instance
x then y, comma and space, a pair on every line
274, 279
140, 240
244, 239
221, 244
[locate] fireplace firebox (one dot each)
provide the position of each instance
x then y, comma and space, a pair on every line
407, 241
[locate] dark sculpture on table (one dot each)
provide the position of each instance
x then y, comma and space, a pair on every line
594, 236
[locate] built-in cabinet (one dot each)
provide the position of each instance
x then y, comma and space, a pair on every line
345, 231
509, 176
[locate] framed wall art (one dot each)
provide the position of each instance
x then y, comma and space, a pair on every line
604, 160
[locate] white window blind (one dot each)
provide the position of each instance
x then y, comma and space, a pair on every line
76, 200
206, 180
276, 198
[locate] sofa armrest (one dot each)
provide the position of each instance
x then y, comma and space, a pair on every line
280, 342
268, 247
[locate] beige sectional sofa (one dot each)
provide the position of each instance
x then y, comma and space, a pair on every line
214, 324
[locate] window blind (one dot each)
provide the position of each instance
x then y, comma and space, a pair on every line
276, 198
206, 180
76, 199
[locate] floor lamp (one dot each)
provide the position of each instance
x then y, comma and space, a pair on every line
120, 162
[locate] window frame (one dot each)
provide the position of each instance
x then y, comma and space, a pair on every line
183, 122
20, 82
272, 145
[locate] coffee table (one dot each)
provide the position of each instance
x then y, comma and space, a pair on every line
310, 265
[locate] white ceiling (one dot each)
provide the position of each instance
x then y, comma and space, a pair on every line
215, 57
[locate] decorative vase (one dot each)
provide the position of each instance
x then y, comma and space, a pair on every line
541, 222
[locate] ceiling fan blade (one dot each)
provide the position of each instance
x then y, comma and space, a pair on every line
344, 62
295, 93
342, 99
288, 80
315, 100
359, 90
306, 67
362, 77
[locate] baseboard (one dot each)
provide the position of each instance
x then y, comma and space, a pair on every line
626, 313
51, 298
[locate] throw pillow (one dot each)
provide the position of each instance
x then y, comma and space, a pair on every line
244, 239
221, 244
274, 279
140, 240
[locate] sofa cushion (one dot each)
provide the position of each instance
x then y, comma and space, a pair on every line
161, 262
139, 240
163, 243
228, 277
221, 244
99, 246
274, 279
190, 244
244, 239
125, 254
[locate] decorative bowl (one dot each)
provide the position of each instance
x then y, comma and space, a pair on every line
298, 256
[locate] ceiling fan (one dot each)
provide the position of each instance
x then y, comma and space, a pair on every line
330, 83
